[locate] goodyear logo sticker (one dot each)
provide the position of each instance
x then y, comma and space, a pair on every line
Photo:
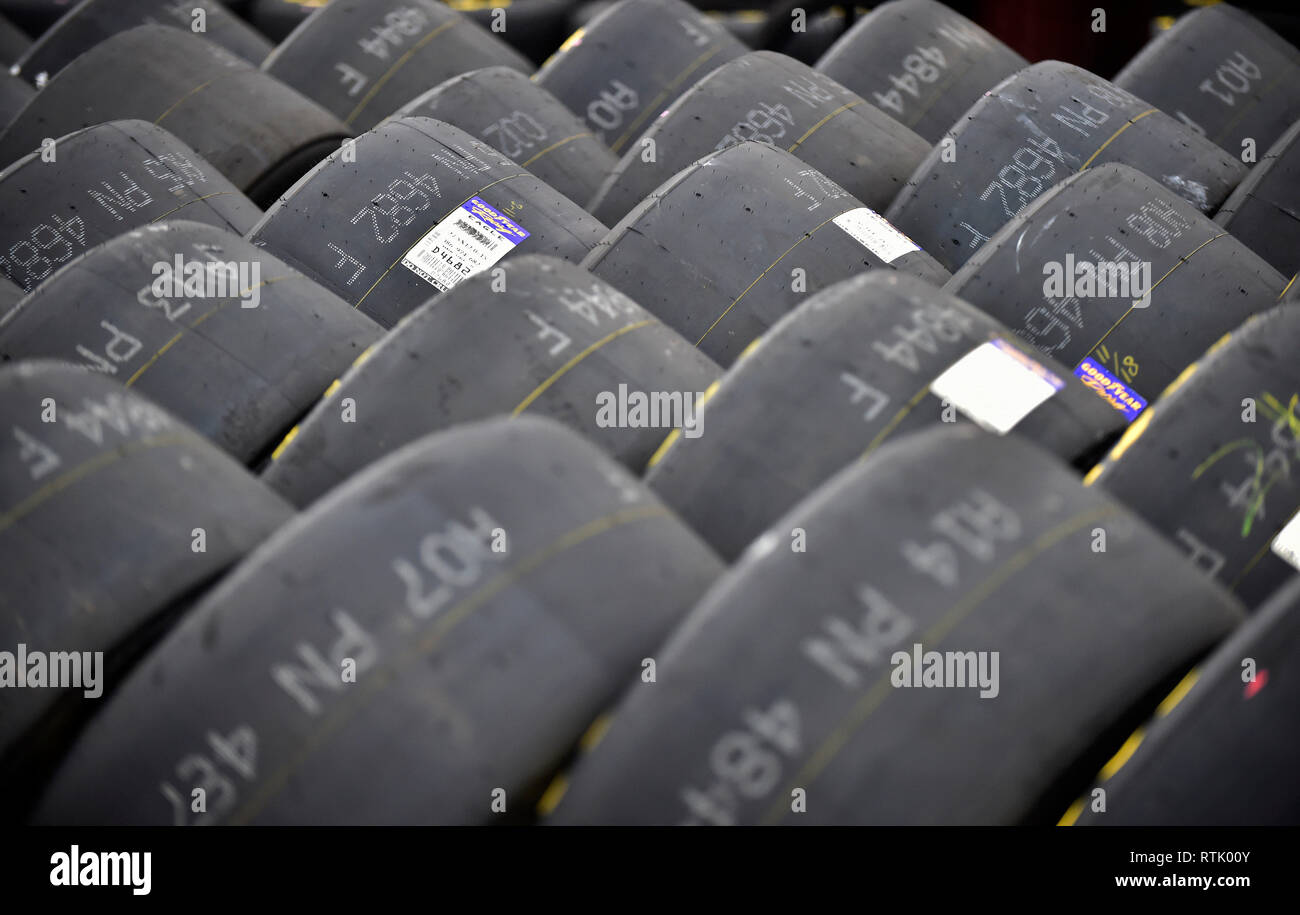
513, 231
1112, 390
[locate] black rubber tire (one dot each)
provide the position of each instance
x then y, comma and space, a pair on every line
1204, 281
745, 24
720, 231
851, 142
631, 62
91, 21
525, 123
10, 295
549, 342
1264, 211
361, 59
534, 28
260, 133
490, 693
583, 14
871, 59
240, 376
15, 95
1206, 47
786, 658
772, 29
328, 225
276, 19
848, 369
1224, 749
1219, 475
13, 42
104, 181
1002, 157
98, 528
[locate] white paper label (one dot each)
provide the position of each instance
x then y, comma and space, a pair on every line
996, 385
468, 241
1287, 542
873, 232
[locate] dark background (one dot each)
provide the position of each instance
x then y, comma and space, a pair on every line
1037, 29
1062, 29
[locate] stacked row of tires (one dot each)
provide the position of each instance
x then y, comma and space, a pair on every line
397, 432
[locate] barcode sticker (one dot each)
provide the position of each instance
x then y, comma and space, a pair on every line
996, 385
873, 232
469, 240
1287, 542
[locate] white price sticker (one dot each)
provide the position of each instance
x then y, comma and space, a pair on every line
996, 385
1287, 542
873, 232
472, 238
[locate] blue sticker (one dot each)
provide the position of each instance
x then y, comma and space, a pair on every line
513, 231
1115, 392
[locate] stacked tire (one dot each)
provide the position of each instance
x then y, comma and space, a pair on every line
410, 415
